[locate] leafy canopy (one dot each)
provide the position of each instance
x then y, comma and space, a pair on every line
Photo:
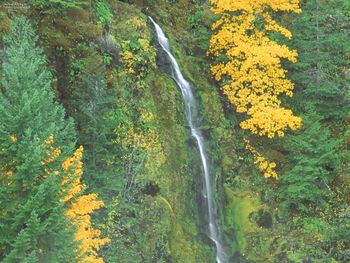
250, 62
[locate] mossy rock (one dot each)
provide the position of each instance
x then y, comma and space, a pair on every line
241, 205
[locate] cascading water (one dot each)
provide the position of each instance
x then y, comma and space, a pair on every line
190, 110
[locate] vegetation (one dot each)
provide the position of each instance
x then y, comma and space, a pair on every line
253, 63
42, 205
96, 160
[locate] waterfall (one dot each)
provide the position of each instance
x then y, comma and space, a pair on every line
190, 112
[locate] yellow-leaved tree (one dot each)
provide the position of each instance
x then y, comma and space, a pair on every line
250, 68
79, 206
80, 209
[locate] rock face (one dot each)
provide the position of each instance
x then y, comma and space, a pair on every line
152, 192
112, 78
191, 112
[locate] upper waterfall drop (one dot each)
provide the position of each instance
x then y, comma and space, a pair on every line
190, 110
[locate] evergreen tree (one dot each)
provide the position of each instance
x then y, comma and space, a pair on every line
35, 138
95, 132
313, 159
321, 36
94, 104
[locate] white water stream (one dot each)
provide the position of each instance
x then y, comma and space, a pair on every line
190, 110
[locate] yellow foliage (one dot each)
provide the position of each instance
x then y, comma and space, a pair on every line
253, 62
138, 23
146, 116
137, 54
150, 143
5, 174
80, 209
144, 138
264, 166
137, 61
51, 152
73, 169
13, 138
129, 60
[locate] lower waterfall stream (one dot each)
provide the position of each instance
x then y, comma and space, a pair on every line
190, 112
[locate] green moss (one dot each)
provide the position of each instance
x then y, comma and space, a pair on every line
102, 11
180, 248
237, 214
186, 243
